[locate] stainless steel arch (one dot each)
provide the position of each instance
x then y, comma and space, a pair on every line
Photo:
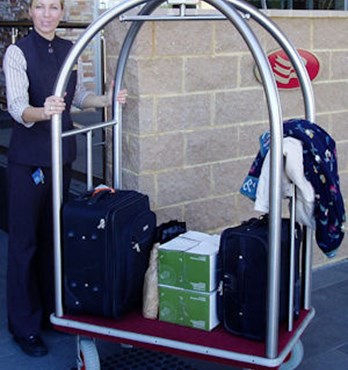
289, 49
119, 73
305, 84
264, 21
275, 119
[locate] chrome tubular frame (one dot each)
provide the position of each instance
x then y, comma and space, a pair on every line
237, 12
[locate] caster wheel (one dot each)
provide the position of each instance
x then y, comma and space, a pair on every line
296, 356
88, 358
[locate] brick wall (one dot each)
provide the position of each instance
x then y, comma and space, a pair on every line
195, 111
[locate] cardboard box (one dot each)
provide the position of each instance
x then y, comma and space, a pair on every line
190, 262
200, 265
170, 256
188, 308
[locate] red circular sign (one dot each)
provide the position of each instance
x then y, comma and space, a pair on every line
284, 71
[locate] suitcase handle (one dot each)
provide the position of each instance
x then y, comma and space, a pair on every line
100, 190
98, 194
255, 223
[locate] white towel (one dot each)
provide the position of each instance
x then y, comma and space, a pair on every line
293, 173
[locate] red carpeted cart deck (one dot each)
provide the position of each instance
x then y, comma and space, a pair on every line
217, 345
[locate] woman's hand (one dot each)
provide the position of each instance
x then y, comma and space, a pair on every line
122, 96
102, 101
53, 105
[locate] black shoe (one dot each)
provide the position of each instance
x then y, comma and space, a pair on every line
32, 345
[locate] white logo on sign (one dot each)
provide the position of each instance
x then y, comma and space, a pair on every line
283, 70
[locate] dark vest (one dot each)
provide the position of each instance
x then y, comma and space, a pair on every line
32, 146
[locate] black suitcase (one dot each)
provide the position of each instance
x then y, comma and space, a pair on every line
243, 257
107, 240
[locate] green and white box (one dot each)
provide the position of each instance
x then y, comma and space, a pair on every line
171, 257
188, 308
200, 265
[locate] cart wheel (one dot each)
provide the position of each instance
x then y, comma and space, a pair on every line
88, 358
295, 358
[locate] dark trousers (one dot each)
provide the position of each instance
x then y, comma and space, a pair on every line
30, 274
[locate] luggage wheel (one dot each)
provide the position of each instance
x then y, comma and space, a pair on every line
87, 354
295, 357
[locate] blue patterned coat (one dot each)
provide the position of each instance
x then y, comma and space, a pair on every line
320, 167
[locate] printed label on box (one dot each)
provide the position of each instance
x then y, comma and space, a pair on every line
188, 308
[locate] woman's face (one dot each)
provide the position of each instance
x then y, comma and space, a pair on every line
46, 15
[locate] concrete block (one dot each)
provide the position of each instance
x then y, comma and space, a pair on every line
191, 38
161, 152
211, 145
160, 76
330, 33
228, 176
182, 112
240, 106
183, 185
210, 214
210, 73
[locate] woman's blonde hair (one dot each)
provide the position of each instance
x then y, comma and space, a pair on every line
61, 3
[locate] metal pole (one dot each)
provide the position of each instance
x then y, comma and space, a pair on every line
292, 257
307, 268
102, 45
57, 199
89, 149
120, 69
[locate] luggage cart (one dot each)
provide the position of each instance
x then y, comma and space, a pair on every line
282, 347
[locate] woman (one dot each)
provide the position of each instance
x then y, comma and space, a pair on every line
31, 67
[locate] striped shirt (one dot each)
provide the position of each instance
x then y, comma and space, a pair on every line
17, 84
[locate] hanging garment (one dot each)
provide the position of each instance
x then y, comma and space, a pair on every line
320, 169
293, 174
